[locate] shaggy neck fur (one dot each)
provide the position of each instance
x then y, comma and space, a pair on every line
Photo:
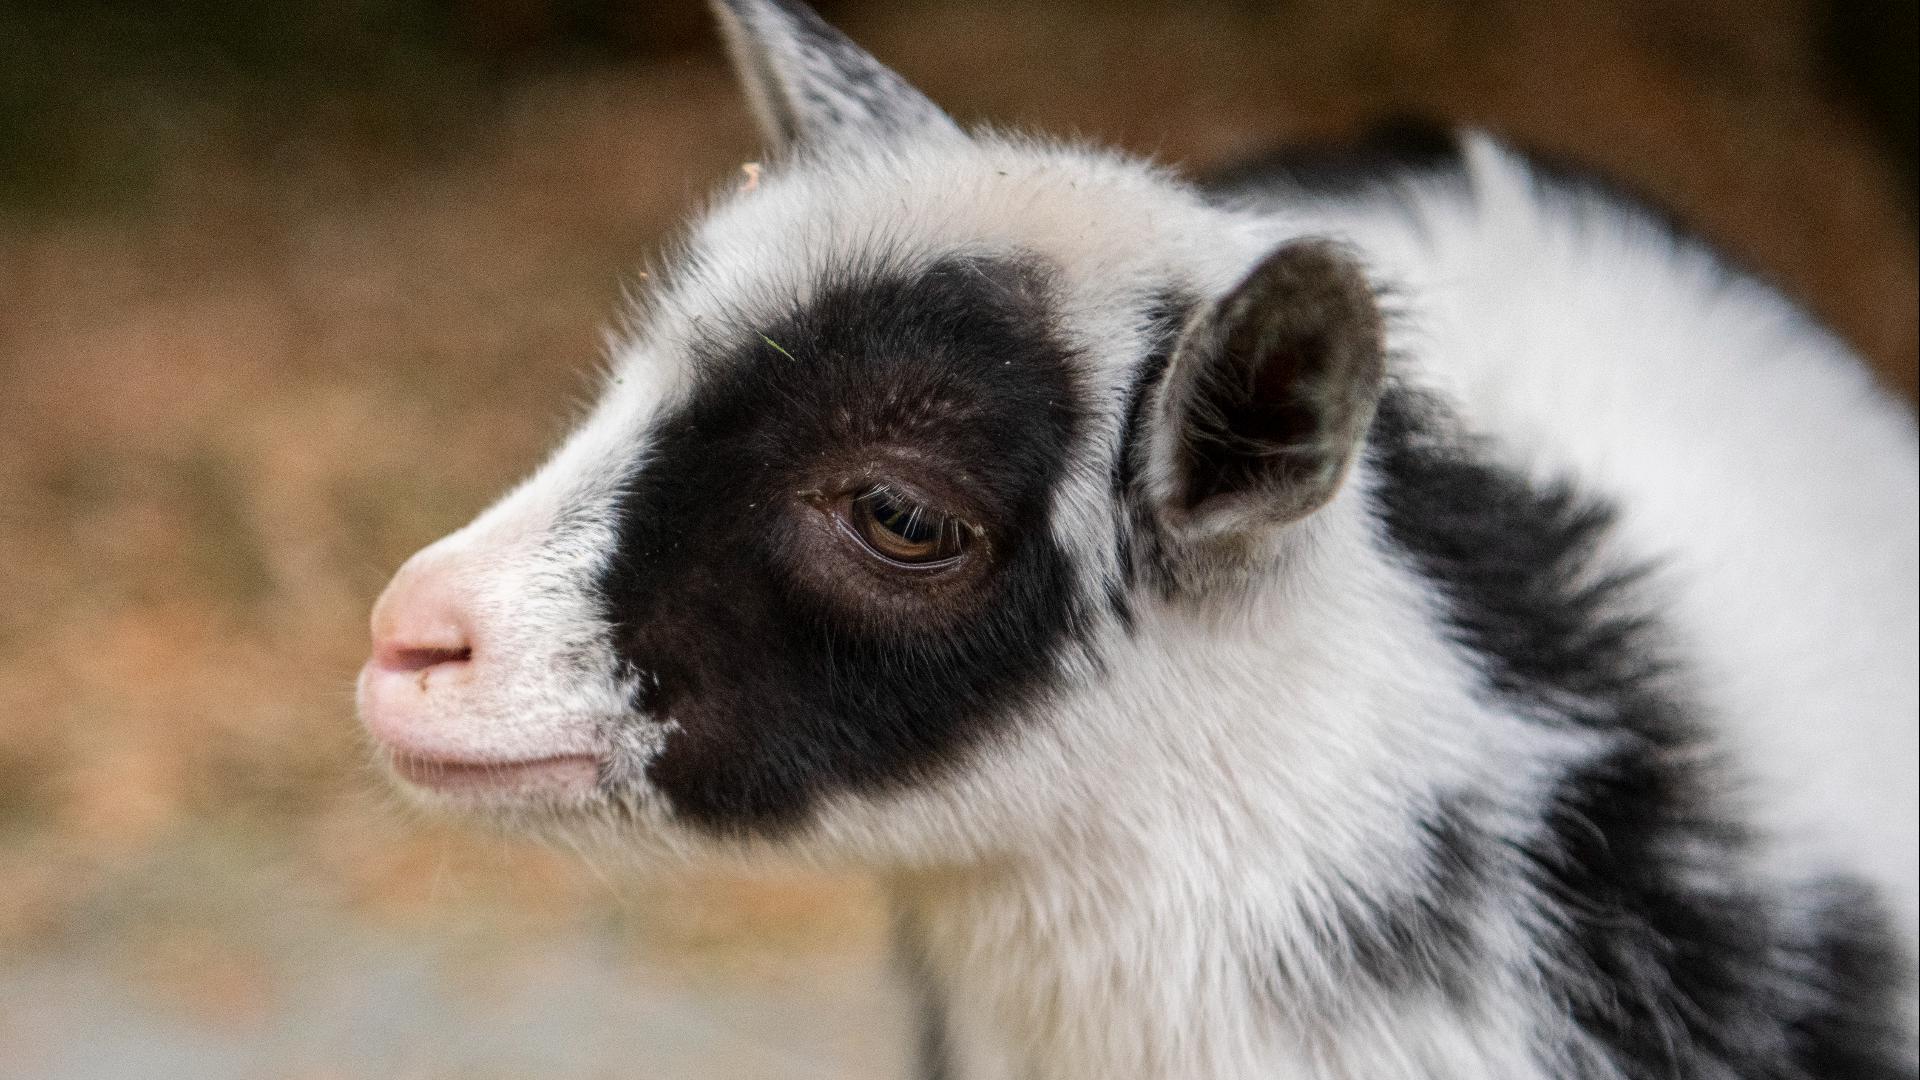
1285, 873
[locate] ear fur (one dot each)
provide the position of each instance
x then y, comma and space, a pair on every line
809, 85
1270, 393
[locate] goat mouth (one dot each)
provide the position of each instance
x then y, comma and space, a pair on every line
559, 774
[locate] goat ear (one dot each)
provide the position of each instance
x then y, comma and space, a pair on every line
1269, 394
809, 85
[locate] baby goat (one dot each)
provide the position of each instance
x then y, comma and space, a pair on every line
1400, 614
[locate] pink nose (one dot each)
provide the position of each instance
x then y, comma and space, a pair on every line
437, 697
421, 622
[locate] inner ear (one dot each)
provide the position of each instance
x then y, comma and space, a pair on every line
809, 85
1271, 391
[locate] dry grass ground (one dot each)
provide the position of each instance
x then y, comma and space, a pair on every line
232, 403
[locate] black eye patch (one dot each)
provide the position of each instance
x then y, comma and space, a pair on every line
781, 696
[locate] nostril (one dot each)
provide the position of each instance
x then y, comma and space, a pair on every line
420, 658
422, 621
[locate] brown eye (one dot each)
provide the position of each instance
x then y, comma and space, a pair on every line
902, 531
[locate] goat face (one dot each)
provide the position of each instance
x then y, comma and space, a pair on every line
903, 439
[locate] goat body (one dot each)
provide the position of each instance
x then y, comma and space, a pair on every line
1397, 611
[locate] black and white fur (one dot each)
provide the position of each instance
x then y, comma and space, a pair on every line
1435, 620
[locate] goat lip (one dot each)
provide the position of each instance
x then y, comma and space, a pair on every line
555, 774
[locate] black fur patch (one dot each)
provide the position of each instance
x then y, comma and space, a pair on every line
1390, 152
784, 689
1425, 937
1677, 962
1843, 1032
1511, 558
1420, 937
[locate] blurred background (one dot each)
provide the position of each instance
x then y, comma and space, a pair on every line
289, 289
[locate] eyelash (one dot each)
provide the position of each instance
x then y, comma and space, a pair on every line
883, 494
907, 519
